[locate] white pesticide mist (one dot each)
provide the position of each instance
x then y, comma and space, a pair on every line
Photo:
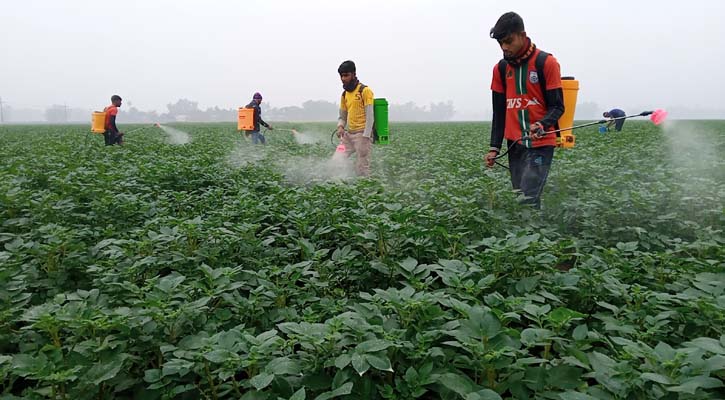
245, 154
689, 146
694, 154
176, 136
308, 137
304, 170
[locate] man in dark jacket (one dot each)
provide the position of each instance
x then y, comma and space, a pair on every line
612, 115
256, 135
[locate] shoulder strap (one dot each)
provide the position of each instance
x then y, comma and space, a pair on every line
375, 130
502, 71
360, 90
540, 61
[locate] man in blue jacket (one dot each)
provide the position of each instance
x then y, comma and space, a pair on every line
615, 113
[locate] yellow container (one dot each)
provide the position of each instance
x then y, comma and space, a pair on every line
98, 122
245, 120
570, 88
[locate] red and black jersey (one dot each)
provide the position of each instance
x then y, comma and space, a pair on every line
525, 100
111, 111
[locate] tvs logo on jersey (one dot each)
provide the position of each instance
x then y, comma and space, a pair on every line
513, 103
518, 102
509, 74
533, 77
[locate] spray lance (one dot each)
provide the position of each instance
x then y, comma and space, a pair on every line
156, 125
657, 117
292, 131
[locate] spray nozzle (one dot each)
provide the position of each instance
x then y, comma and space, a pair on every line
658, 116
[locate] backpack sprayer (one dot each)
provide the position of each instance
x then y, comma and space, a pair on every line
98, 124
657, 117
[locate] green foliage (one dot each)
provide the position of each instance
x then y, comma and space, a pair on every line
155, 271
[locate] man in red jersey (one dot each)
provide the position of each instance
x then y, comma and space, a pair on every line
527, 103
112, 135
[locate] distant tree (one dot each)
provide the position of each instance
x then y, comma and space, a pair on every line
319, 110
133, 114
441, 111
185, 110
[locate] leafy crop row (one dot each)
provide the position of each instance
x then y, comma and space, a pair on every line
158, 271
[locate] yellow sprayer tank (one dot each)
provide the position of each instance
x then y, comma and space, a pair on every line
570, 88
98, 122
245, 120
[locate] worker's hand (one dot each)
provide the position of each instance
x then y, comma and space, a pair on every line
536, 130
340, 131
490, 158
270, 127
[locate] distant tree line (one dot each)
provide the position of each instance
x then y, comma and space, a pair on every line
311, 110
188, 110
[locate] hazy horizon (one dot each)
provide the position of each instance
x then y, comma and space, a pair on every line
625, 54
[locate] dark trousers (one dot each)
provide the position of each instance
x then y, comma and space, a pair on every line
111, 138
618, 124
529, 170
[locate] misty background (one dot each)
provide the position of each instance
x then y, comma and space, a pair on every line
199, 61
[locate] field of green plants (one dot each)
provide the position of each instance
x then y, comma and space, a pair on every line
215, 269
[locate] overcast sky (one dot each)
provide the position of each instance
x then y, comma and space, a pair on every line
218, 52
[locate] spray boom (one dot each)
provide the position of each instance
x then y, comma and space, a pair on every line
657, 117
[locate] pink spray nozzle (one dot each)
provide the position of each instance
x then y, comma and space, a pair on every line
340, 148
658, 116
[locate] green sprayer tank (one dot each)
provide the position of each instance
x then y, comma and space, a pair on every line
380, 109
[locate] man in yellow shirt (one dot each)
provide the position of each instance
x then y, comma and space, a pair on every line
355, 124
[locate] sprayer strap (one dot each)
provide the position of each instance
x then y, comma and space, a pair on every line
539, 63
360, 90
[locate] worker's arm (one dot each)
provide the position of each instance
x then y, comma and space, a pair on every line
258, 112
368, 99
112, 124
498, 123
554, 107
342, 119
266, 125
369, 121
553, 95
